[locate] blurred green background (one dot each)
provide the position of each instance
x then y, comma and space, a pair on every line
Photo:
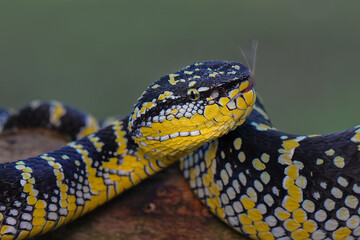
100, 55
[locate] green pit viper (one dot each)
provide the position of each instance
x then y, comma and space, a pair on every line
262, 182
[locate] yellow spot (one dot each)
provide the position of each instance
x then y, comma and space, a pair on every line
240, 103
155, 86
211, 111
300, 234
265, 157
300, 215
339, 161
296, 193
39, 213
192, 83
247, 202
237, 143
341, 233
249, 229
261, 226
290, 144
31, 200
258, 165
288, 182
223, 101
40, 204
244, 85
214, 74
310, 226
39, 221
255, 214
356, 138
330, 152
249, 97
290, 204
233, 93
292, 171
282, 214
266, 236
319, 161
244, 219
291, 225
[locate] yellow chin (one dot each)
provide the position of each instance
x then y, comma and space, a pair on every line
173, 139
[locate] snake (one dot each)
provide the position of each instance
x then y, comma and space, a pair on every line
262, 182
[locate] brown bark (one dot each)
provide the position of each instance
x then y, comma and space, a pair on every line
162, 207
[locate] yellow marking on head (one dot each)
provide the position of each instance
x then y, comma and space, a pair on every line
192, 83
172, 80
224, 100
214, 74
290, 144
163, 96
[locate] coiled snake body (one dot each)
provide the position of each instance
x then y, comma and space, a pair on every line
262, 182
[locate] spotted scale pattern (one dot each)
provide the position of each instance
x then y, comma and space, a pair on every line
45, 192
267, 184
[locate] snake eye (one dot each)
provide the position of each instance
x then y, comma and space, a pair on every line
193, 94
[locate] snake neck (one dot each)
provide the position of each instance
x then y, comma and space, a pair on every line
268, 184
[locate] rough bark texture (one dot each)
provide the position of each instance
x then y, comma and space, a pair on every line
162, 207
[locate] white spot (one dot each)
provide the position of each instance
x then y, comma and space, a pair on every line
329, 204
233, 221
316, 195
351, 201
271, 221
278, 232
10, 221
353, 222
224, 199
276, 191
269, 200
242, 178
356, 188
318, 235
229, 211
308, 206
236, 185
262, 208
331, 225
323, 185
224, 176
343, 214
231, 193
336, 192
258, 185
238, 207
25, 226
52, 216
320, 215
229, 169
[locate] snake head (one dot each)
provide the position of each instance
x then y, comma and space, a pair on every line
183, 110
